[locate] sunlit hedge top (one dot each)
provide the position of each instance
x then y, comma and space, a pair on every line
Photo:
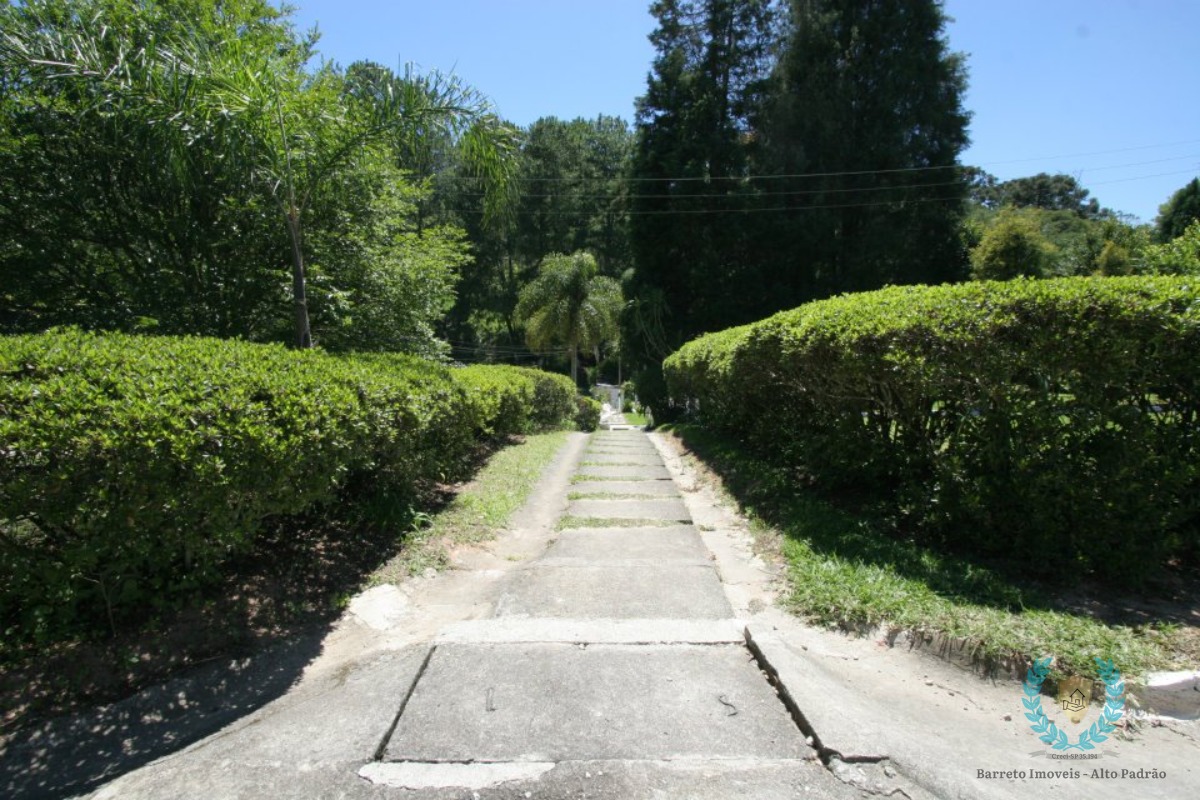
131, 467
1025, 410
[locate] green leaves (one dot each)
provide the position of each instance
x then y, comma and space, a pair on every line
165, 166
132, 468
998, 419
569, 304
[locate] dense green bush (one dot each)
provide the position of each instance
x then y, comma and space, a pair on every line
132, 467
587, 413
508, 400
1055, 422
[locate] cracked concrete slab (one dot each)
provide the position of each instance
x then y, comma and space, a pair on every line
555, 702
314, 737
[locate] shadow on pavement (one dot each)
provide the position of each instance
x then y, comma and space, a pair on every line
72, 755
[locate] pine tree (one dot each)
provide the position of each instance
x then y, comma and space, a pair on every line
688, 189
868, 104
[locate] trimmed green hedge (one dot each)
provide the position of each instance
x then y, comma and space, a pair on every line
507, 400
1055, 422
588, 411
131, 467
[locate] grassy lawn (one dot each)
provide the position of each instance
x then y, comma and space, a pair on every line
477, 512
632, 418
844, 572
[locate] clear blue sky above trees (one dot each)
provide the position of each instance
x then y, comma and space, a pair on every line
1099, 89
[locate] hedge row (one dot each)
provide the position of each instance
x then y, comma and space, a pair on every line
132, 467
1055, 422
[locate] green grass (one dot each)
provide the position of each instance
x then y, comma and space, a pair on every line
633, 418
845, 572
615, 496
481, 509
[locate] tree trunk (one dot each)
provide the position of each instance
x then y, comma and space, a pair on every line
575, 365
299, 297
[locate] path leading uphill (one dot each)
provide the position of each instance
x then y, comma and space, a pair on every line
618, 640
610, 665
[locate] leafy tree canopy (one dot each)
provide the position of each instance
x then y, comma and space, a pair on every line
1048, 192
1013, 247
1180, 256
1178, 213
177, 166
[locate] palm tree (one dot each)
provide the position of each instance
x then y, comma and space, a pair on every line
569, 304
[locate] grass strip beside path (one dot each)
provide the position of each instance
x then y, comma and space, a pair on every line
845, 572
479, 510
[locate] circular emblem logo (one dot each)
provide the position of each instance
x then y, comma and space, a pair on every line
1048, 732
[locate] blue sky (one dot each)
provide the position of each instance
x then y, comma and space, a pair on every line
1105, 90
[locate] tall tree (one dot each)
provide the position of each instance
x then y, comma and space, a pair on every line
210, 101
570, 304
1175, 215
570, 197
867, 114
689, 193
1050, 192
572, 191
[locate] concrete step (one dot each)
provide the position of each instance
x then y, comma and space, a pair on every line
632, 457
658, 488
692, 778
557, 702
662, 544
671, 509
617, 590
620, 437
515, 630
644, 472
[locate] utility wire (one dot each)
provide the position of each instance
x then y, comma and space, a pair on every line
868, 171
819, 207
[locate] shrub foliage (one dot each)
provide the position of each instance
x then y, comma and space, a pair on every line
132, 467
1055, 422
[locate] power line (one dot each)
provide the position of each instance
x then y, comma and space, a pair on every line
843, 190
1145, 177
905, 201
848, 173
788, 193
819, 207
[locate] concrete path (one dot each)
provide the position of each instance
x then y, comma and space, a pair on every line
619, 640
610, 665
614, 656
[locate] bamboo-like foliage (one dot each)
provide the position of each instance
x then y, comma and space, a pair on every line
231, 77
